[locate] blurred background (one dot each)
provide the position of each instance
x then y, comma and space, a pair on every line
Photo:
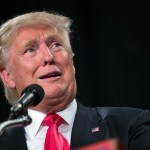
111, 45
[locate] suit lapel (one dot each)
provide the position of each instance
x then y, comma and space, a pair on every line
88, 127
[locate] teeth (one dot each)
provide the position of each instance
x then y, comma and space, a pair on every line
49, 75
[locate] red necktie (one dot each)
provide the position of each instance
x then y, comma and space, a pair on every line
54, 140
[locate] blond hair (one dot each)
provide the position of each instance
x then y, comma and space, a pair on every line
9, 29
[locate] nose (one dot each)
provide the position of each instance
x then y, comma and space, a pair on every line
48, 57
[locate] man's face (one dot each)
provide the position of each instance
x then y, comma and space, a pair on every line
39, 55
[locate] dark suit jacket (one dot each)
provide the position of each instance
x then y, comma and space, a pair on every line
130, 125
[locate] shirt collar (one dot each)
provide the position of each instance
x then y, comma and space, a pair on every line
69, 112
37, 117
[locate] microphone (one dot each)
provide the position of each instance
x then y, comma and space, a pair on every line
30, 96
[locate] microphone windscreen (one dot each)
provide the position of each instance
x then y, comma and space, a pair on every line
37, 90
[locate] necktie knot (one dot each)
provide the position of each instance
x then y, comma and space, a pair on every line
54, 140
52, 119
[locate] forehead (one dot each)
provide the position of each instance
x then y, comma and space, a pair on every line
29, 32
43, 28
22, 38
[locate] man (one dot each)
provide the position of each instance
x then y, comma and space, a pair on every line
35, 49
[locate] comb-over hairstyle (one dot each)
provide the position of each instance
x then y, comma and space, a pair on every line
10, 28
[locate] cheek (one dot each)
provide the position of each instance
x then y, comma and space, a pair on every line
23, 68
65, 58
70, 68
65, 62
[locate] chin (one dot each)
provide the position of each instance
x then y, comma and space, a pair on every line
54, 91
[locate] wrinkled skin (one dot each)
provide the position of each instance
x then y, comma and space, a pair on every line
39, 55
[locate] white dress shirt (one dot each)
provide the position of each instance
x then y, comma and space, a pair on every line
35, 132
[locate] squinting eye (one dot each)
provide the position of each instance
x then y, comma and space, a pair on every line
55, 46
30, 50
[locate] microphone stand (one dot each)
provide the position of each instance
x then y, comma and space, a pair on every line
24, 120
18, 113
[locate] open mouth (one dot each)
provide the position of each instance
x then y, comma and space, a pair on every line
51, 75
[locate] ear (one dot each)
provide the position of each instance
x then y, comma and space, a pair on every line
7, 78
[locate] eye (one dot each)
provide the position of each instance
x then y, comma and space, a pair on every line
30, 51
55, 46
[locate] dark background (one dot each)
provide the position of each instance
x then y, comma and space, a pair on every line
111, 42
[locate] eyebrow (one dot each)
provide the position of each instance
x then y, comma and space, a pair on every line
54, 37
48, 38
30, 42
